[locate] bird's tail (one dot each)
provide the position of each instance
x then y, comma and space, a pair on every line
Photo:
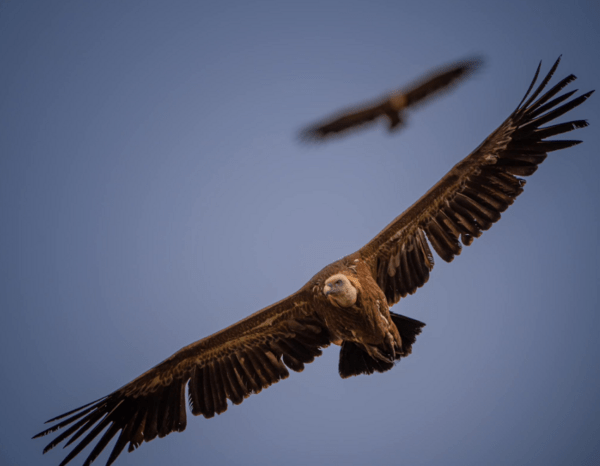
354, 360
408, 329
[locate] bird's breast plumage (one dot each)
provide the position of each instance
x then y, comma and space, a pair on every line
367, 321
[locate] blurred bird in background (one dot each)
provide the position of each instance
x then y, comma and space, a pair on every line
393, 106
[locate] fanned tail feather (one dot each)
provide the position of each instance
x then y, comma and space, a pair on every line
354, 360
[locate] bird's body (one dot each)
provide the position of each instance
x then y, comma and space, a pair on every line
358, 311
347, 303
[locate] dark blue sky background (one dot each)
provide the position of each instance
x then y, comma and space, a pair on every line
153, 191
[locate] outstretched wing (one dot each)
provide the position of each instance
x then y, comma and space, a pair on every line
471, 197
345, 120
425, 87
438, 81
231, 364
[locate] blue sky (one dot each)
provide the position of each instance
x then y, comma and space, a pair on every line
153, 191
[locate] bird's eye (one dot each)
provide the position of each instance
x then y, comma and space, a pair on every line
339, 282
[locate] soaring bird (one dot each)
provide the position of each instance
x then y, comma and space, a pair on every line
347, 303
393, 105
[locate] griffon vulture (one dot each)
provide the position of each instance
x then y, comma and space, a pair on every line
347, 303
393, 105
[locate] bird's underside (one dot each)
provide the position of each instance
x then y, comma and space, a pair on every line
348, 302
392, 107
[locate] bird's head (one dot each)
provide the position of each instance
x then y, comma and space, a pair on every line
340, 291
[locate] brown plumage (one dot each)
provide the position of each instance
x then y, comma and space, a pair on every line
393, 105
345, 303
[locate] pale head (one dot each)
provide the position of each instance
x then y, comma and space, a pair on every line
340, 291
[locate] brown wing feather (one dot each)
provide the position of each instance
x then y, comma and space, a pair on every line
439, 80
229, 365
393, 103
471, 197
345, 120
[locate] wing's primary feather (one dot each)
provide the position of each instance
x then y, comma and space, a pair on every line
473, 194
229, 365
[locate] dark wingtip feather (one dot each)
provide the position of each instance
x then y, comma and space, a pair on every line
73, 411
545, 81
59, 439
470, 65
555, 113
309, 135
537, 72
537, 108
82, 412
46, 432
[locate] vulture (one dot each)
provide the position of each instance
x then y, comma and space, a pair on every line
347, 303
392, 105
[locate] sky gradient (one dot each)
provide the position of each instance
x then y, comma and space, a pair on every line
153, 191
